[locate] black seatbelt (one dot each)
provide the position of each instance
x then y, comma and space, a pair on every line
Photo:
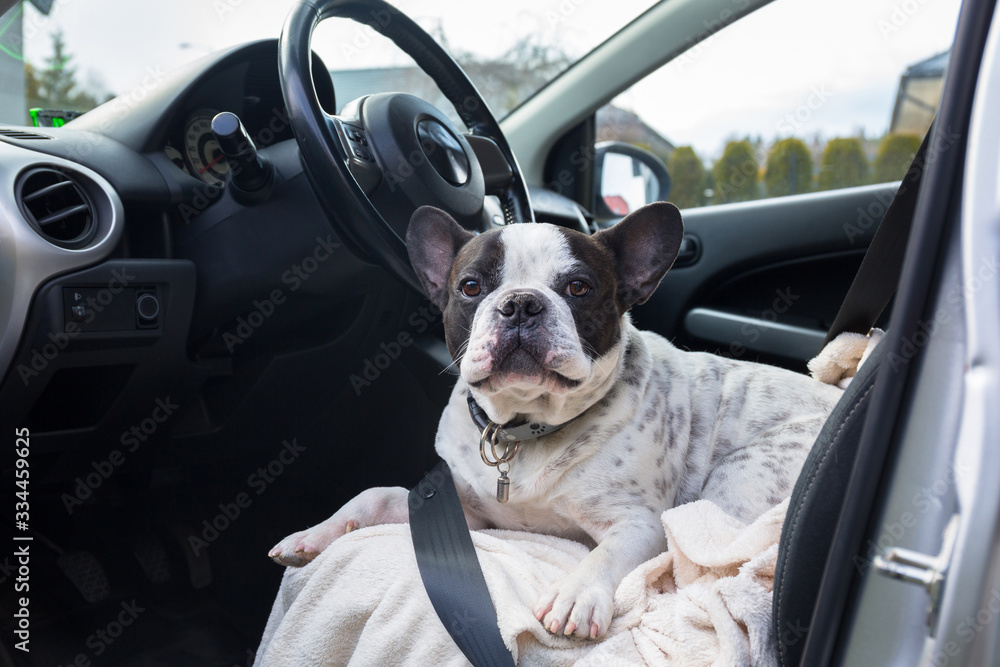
878, 276
451, 572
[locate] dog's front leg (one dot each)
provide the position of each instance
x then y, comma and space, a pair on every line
372, 507
581, 604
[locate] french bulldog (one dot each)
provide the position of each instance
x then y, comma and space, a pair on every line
537, 320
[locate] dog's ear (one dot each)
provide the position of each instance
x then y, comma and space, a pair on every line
433, 240
645, 244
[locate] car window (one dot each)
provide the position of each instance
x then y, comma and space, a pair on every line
794, 98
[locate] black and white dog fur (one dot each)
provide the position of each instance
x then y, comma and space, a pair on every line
536, 317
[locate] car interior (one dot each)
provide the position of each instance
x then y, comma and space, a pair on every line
207, 361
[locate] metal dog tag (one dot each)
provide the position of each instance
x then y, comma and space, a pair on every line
503, 487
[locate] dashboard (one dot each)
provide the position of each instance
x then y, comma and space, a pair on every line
147, 177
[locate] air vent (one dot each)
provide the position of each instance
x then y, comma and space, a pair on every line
57, 206
14, 133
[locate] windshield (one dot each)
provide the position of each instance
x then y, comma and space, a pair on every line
76, 54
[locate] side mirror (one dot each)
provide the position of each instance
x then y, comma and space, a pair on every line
627, 178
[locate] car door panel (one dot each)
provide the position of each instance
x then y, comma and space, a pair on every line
770, 276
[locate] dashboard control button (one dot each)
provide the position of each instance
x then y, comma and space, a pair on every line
99, 308
147, 306
355, 135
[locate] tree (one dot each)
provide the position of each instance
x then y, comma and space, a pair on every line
894, 156
55, 86
789, 168
843, 165
688, 176
735, 173
514, 75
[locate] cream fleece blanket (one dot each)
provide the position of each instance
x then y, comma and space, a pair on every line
705, 601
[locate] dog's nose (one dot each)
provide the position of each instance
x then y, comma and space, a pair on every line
521, 307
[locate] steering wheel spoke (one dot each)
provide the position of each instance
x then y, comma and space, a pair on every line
497, 172
356, 151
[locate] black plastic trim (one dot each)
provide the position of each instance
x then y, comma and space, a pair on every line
689, 253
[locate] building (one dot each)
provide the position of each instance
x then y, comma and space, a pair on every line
919, 94
13, 108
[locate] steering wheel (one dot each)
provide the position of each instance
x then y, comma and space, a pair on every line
387, 154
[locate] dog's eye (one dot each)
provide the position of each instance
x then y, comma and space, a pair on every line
577, 288
471, 288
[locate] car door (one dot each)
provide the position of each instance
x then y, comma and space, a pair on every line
912, 575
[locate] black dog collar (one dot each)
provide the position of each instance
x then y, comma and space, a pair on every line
511, 432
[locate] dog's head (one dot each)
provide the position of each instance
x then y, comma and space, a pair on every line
533, 313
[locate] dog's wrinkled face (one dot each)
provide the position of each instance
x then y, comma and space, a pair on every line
533, 312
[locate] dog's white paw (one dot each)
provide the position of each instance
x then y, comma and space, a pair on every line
577, 605
302, 547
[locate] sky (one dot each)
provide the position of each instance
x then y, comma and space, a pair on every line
793, 67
